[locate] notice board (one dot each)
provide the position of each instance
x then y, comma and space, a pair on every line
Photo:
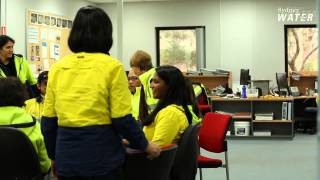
47, 39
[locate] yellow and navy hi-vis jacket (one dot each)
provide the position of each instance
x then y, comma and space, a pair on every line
24, 72
18, 118
87, 110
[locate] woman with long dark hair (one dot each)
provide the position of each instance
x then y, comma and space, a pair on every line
171, 116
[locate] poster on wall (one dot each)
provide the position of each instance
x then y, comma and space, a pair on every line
47, 36
301, 49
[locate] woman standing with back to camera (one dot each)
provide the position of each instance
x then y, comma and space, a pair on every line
87, 105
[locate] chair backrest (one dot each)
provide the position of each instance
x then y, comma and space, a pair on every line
185, 163
213, 132
138, 166
18, 158
202, 98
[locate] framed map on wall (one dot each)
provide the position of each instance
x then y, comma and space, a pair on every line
301, 49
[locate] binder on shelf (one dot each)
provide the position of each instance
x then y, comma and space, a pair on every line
289, 111
228, 133
284, 111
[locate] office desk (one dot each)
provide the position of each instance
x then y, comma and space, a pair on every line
305, 119
211, 81
306, 81
301, 102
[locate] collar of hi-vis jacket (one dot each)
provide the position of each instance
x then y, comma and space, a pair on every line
145, 79
16, 117
17, 62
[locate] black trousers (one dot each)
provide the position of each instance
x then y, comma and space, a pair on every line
114, 175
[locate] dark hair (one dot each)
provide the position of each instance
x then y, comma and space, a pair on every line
176, 93
192, 97
91, 31
12, 92
43, 76
4, 39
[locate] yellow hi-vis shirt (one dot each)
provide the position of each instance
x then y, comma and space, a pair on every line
34, 108
169, 124
86, 89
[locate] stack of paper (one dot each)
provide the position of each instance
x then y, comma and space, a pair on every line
264, 116
262, 133
242, 115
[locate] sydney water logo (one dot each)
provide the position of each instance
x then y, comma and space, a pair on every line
294, 15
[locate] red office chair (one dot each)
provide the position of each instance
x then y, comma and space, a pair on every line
212, 138
203, 105
203, 100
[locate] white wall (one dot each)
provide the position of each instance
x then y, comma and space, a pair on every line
111, 10
140, 20
239, 33
16, 16
252, 37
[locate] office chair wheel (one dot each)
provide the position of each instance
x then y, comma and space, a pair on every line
313, 131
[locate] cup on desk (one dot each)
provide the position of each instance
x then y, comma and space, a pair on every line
311, 92
252, 92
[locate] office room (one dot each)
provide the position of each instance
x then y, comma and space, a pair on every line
236, 35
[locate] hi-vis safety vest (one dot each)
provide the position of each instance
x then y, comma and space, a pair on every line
145, 80
24, 72
17, 117
200, 90
135, 101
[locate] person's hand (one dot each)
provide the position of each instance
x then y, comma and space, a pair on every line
125, 142
153, 150
54, 169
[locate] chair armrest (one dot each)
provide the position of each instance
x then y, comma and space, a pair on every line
138, 151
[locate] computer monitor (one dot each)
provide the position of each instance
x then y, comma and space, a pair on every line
244, 77
282, 83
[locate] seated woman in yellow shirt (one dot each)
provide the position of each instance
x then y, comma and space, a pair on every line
171, 116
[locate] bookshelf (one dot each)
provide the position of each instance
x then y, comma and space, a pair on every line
246, 109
